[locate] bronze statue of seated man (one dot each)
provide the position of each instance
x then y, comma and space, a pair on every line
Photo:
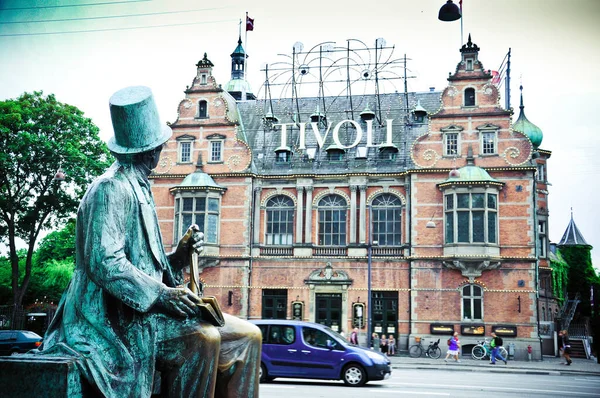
123, 315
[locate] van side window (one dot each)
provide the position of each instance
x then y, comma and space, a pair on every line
315, 337
279, 334
264, 329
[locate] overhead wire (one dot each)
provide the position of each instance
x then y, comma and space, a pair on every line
74, 5
111, 16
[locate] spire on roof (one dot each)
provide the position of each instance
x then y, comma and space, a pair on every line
526, 127
572, 236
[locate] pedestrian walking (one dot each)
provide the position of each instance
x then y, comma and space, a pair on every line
391, 345
565, 346
354, 336
383, 345
495, 344
375, 341
453, 347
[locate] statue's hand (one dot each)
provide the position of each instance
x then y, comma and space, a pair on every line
192, 239
179, 302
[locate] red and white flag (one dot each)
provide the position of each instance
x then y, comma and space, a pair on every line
249, 23
495, 77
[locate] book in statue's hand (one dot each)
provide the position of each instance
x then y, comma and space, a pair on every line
210, 311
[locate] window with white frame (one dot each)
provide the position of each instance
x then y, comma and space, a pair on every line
203, 79
469, 64
185, 151
488, 142
386, 210
216, 151
471, 217
332, 220
541, 172
200, 209
472, 302
280, 220
450, 144
542, 238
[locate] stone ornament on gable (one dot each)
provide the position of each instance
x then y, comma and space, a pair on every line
328, 275
472, 269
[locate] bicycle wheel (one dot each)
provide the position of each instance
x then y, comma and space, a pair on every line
478, 352
502, 351
435, 352
415, 351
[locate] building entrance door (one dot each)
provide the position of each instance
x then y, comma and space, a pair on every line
329, 310
385, 313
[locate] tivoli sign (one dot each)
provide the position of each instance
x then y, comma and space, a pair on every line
320, 137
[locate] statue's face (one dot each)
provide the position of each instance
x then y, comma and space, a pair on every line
155, 157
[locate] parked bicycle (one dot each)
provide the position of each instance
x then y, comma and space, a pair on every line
483, 350
432, 351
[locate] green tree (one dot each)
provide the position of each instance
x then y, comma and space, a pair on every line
581, 275
38, 135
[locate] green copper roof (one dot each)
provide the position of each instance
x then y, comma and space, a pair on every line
238, 86
472, 173
199, 179
526, 127
239, 49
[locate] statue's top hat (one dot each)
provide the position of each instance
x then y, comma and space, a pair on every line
135, 121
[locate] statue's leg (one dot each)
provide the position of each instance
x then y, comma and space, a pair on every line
187, 357
239, 359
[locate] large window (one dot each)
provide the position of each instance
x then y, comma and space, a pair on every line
471, 217
332, 221
386, 210
472, 302
274, 304
280, 220
200, 210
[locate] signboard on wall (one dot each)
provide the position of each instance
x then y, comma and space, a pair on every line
441, 328
473, 330
358, 315
505, 330
297, 310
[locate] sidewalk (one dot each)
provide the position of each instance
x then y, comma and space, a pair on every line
549, 366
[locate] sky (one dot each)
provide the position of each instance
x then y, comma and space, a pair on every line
85, 50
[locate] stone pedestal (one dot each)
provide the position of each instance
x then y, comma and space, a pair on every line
25, 376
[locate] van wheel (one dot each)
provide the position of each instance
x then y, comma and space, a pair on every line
354, 375
14, 352
263, 375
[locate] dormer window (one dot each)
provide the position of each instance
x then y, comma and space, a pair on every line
470, 97
283, 156
335, 154
203, 79
388, 153
469, 64
202, 109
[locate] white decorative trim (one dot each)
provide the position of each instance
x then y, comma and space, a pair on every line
391, 191
277, 192
329, 191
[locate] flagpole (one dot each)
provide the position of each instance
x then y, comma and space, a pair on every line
462, 41
245, 56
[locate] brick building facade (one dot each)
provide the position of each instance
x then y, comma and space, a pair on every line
437, 200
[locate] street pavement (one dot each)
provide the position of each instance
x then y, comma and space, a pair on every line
549, 366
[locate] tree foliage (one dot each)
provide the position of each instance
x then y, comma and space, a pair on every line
581, 275
38, 135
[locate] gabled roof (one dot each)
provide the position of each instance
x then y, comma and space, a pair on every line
572, 236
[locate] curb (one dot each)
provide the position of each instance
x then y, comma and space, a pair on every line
489, 369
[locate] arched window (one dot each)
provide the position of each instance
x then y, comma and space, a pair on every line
280, 220
470, 97
202, 109
472, 302
386, 223
332, 221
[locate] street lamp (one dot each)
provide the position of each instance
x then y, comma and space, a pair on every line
369, 309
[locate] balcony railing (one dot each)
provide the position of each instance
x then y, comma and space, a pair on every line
276, 251
388, 251
330, 251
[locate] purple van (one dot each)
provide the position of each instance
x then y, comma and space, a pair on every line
312, 351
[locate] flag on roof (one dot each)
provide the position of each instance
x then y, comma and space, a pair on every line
249, 23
